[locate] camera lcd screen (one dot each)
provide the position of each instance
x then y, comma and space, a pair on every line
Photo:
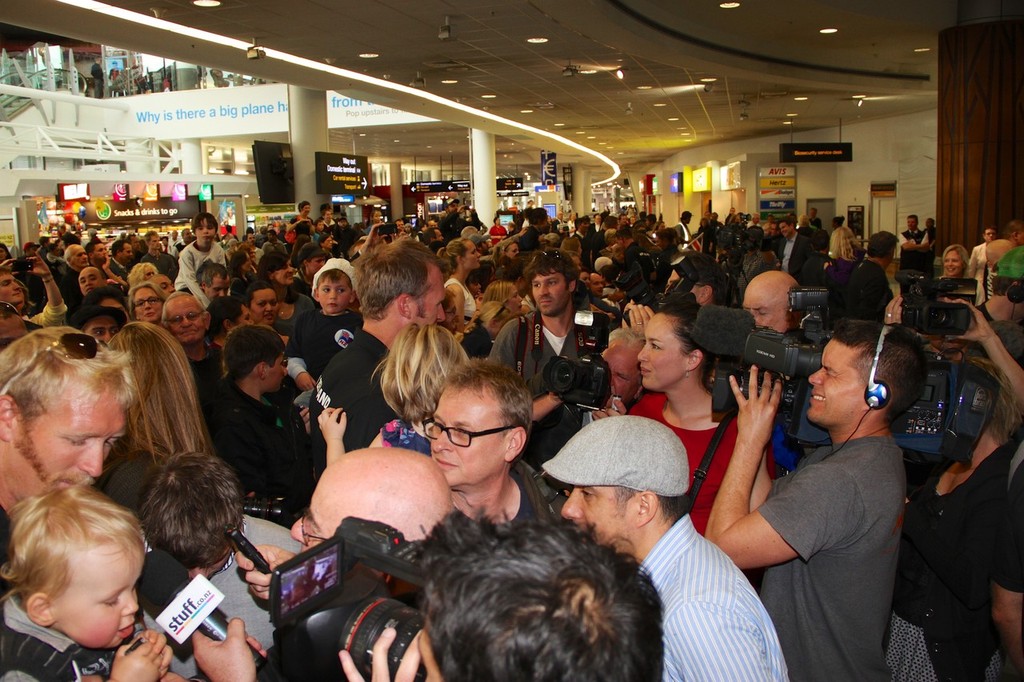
304, 581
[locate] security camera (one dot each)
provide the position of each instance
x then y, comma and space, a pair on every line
255, 52
708, 87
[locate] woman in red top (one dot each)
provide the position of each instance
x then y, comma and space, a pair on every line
677, 376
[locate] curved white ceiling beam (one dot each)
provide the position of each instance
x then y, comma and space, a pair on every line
464, 114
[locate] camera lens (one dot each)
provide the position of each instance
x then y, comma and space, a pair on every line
563, 377
365, 625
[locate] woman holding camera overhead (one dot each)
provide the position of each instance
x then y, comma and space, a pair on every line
677, 377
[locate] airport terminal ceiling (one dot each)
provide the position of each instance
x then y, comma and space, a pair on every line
772, 69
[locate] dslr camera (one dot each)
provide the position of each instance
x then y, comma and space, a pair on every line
583, 381
325, 600
927, 315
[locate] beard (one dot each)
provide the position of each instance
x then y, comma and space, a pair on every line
51, 481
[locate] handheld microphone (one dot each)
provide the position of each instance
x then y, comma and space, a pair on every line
721, 330
187, 605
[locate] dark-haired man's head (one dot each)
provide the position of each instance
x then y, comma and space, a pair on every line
544, 600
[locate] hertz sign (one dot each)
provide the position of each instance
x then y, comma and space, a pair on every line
342, 174
815, 152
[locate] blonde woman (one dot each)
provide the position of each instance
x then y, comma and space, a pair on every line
167, 418
480, 333
411, 378
464, 259
504, 292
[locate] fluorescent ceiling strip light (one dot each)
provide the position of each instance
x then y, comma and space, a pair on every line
197, 34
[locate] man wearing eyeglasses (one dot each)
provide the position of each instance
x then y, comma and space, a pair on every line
185, 318
62, 406
477, 433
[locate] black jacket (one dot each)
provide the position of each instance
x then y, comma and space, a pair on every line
801, 250
265, 442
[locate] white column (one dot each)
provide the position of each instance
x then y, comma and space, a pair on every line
191, 157
397, 205
582, 192
307, 132
485, 192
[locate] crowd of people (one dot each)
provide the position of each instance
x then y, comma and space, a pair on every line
153, 394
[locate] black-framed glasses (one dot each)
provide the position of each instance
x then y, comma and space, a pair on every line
458, 437
73, 345
153, 300
306, 537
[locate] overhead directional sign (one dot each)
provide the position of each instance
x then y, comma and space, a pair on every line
342, 174
428, 186
548, 168
505, 184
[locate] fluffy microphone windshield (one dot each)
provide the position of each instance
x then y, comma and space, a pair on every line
721, 330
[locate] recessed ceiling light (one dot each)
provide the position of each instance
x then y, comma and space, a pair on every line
396, 140
430, 146
681, 128
559, 125
787, 123
487, 96
799, 99
450, 81
362, 134
587, 72
206, 3
674, 118
602, 143
537, 41
591, 137
581, 132
922, 49
368, 55
792, 115
729, 5
621, 153
828, 30
685, 134
858, 96
660, 104
709, 79
526, 111
643, 87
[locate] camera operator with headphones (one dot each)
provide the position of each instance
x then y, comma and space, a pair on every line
829, 532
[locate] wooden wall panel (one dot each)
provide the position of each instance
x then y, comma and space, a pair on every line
980, 130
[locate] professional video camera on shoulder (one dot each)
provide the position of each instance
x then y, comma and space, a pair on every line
792, 355
924, 313
583, 381
736, 240
325, 600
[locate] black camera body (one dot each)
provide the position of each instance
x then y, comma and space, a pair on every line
584, 381
268, 508
921, 310
325, 600
21, 266
635, 287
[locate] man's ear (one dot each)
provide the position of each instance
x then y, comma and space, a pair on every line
10, 418
645, 507
39, 609
515, 441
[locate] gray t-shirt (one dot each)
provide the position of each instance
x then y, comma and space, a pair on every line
842, 515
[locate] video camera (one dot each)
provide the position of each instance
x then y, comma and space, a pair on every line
921, 310
583, 381
794, 355
956, 402
321, 602
736, 240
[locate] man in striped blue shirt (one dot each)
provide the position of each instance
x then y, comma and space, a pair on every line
630, 477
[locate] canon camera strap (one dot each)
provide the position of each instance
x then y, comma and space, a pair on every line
536, 345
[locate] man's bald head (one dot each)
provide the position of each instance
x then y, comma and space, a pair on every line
996, 249
399, 487
767, 299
